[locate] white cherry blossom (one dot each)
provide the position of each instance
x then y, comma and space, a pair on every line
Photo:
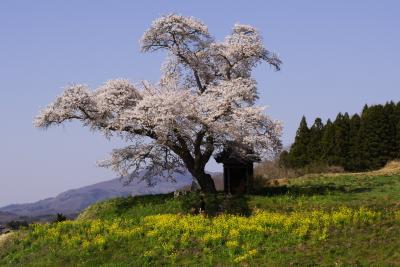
204, 101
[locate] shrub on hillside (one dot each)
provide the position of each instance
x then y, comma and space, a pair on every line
15, 225
60, 218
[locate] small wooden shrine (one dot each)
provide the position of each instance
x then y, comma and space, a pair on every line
238, 169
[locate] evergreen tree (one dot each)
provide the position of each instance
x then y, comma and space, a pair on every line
363, 142
397, 134
398, 140
374, 132
315, 151
389, 136
353, 162
298, 156
342, 129
358, 143
328, 143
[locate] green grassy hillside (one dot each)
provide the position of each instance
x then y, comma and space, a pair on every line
326, 219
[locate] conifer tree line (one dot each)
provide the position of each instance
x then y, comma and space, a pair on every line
359, 142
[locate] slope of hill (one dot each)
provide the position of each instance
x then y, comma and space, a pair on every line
75, 200
320, 220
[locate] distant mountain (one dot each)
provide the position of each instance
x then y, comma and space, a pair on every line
73, 201
7, 216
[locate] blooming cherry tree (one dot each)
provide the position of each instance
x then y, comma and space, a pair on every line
204, 101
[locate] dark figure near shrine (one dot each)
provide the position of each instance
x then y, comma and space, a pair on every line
202, 208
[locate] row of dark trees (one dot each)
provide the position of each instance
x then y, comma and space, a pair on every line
360, 142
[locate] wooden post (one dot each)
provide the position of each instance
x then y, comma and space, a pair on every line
225, 180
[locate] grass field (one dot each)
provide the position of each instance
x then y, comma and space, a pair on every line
326, 219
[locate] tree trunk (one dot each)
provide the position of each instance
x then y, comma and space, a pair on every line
195, 165
206, 182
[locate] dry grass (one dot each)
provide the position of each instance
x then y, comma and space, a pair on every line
270, 170
4, 238
269, 173
391, 168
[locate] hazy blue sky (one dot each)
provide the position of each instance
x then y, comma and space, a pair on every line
338, 55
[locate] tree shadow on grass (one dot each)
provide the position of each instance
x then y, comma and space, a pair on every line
216, 204
236, 204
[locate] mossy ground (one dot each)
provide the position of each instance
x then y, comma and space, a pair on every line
329, 220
